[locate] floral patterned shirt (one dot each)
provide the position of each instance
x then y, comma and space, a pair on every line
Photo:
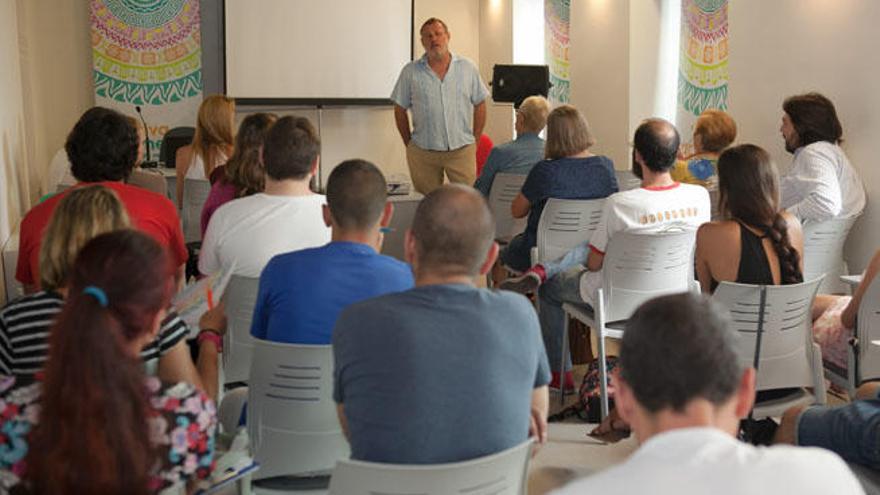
181, 424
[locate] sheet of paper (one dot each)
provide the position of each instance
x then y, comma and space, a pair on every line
192, 301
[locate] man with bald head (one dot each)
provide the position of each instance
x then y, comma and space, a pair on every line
659, 203
444, 372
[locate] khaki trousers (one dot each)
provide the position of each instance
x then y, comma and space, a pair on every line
426, 167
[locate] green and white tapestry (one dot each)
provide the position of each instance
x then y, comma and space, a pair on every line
703, 73
148, 53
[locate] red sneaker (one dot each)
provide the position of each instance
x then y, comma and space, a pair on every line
569, 382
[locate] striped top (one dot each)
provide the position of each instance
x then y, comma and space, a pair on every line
24, 333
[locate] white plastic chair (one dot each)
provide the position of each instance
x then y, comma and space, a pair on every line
823, 252
863, 360
637, 267
149, 180
627, 180
240, 298
505, 187
715, 208
504, 473
195, 193
291, 415
788, 357
564, 224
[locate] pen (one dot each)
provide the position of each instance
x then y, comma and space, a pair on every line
210, 294
386, 230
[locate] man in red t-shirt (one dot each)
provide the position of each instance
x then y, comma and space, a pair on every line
102, 148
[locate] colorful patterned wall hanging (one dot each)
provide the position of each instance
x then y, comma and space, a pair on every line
556, 43
148, 53
703, 75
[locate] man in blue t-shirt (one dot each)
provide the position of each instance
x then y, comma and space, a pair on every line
443, 372
302, 292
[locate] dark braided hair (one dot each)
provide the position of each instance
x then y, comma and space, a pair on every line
749, 192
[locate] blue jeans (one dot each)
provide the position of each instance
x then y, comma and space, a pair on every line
517, 254
577, 256
852, 431
564, 287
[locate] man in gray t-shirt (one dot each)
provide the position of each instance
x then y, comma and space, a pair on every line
443, 372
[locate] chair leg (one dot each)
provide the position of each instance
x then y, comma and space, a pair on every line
562, 360
603, 374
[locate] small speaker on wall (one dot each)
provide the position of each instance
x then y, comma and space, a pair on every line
515, 83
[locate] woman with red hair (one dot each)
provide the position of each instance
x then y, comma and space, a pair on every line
96, 423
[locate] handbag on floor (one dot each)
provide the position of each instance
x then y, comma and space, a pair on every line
588, 406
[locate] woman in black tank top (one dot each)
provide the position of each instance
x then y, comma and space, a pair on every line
757, 242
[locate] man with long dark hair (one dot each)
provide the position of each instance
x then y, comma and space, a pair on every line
821, 184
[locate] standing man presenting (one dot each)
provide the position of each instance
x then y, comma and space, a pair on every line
447, 99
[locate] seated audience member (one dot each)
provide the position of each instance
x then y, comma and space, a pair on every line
95, 423
570, 171
443, 372
834, 319
102, 148
850, 430
757, 243
212, 143
302, 293
26, 323
821, 184
521, 154
642, 210
683, 389
713, 132
244, 173
247, 232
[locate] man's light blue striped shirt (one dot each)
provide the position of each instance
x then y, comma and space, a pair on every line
442, 111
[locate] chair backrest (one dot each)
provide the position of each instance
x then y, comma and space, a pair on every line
505, 188
195, 193
564, 224
291, 416
639, 266
714, 207
503, 473
151, 181
175, 138
787, 349
240, 298
823, 251
868, 331
627, 180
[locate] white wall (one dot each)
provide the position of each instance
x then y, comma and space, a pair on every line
13, 184
496, 47
56, 64
600, 73
786, 47
644, 37
13, 177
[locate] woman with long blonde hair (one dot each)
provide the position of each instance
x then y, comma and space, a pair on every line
212, 144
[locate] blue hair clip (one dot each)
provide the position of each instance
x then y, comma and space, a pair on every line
98, 293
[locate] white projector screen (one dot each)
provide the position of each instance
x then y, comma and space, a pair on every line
316, 49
